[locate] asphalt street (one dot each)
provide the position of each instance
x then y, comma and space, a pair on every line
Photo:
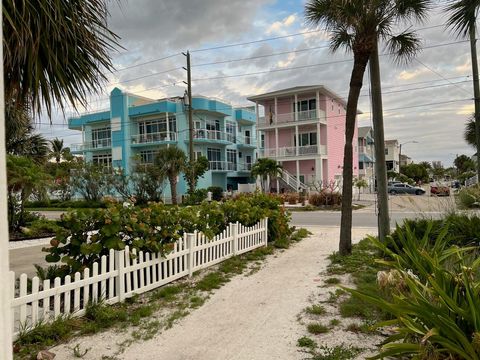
359, 219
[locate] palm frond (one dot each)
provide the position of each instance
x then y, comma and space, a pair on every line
469, 133
403, 47
463, 14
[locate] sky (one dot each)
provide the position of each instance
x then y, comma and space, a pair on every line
426, 102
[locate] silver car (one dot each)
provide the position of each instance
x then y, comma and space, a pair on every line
401, 188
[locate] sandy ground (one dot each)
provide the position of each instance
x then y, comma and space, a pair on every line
251, 317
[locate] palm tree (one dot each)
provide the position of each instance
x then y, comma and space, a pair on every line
463, 17
469, 134
57, 149
65, 65
357, 25
266, 168
172, 161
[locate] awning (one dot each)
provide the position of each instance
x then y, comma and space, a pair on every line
365, 158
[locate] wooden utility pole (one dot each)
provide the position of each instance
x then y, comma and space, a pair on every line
190, 118
379, 138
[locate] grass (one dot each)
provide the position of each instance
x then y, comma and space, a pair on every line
306, 342
317, 328
332, 281
167, 293
340, 352
315, 310
334, 322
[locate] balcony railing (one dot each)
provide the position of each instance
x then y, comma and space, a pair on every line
307, 115
96, 144
213, 135
154, 137
228, 166
294, 151
245, 140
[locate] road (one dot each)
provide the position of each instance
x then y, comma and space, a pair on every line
359, 219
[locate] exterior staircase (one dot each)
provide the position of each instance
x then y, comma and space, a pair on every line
291, 181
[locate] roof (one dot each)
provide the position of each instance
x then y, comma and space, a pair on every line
391, 142
299, 89
363, 131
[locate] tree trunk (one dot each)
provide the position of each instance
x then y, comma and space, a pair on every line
356, 79
379, 139
476, 93
173, 189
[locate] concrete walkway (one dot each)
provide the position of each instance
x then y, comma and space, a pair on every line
251, 317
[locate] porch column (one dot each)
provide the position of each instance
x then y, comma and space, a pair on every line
297, 140
276, 142
298, 171
318, 170
168, 127
276, 110
256, 127
317, 106
295, 114
319, 152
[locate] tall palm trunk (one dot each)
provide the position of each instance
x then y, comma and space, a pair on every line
173, 189
379, 138
476, 92
356, 82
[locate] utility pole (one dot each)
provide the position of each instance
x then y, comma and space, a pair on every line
190, 118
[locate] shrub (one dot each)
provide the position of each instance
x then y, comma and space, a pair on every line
217, 192
41, 227
325, 198
436, 308
291, 198
469, 197
196, 197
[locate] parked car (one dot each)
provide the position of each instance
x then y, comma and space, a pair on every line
401, 188
439, 190
456, 184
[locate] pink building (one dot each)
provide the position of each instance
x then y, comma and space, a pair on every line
307, 139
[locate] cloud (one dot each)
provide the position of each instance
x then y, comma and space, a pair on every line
280, 27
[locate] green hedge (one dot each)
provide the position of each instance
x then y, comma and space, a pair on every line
155, 227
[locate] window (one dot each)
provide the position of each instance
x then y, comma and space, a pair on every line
214, 157
232, 159
101, 137
360, 165
386, 151
230, 130
213, 129
198, 154
307, 139
104, 160
262, 141
147, 156
158, 127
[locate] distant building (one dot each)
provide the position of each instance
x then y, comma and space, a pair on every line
366, 155
405, 160
392, 155
134, 128
303, 128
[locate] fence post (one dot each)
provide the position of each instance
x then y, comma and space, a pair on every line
120, 280
234, 232
265, 223
191, 244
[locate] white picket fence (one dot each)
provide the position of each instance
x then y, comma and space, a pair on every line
124, 273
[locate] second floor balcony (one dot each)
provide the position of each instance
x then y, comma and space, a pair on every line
227, 166
213, 136
158, 137
292, 118
294, 151
99, 144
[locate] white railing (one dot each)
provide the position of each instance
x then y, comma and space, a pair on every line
221, 166
244, 167
124, 273
471, 181
291, 151
307, 115
95, 144
292, 181
245, 140
154, 137
213, 135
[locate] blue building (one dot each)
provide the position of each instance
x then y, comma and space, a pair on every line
134, 128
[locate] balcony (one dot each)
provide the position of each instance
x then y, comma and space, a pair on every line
221, 166
100, 144
286, 152
289, 118
160, 137
248, 142
213, 137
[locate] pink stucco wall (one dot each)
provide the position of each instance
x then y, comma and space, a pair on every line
336, 137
